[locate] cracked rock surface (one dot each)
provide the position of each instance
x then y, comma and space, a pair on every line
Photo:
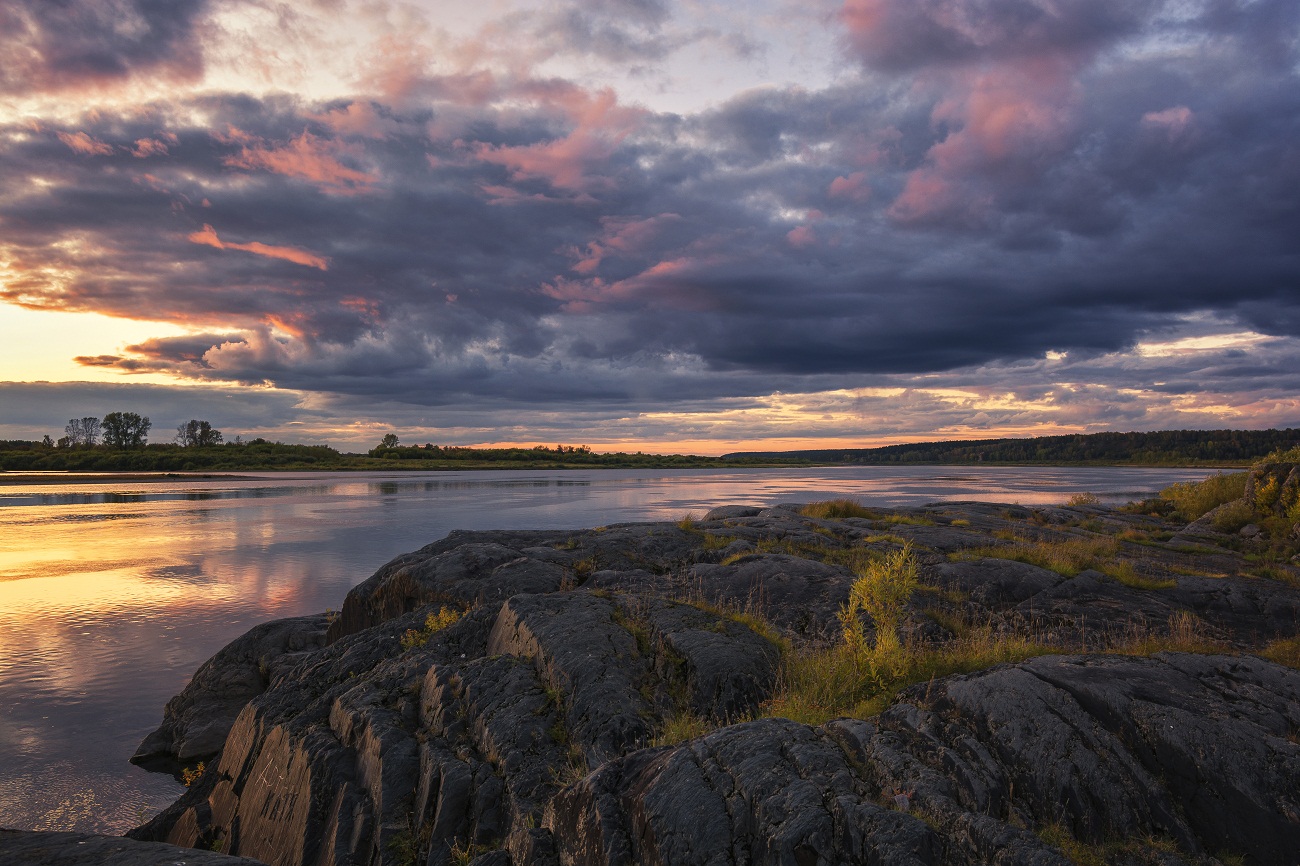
601, 701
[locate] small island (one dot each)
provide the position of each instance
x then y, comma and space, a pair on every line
796, 684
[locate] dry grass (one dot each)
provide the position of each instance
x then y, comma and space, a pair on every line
1067, 557
1285, 652
1083, 499
821, 685
1126, 574
1187, 634
837, 509
680, 728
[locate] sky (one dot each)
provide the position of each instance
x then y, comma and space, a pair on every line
660, 225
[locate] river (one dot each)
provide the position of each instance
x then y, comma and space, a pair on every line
113, 593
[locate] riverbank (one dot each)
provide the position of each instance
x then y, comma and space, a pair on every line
657, 692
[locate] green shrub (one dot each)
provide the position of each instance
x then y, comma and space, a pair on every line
1193, 499
881, 590
1232, 516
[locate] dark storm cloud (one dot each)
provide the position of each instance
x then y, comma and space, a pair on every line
56, 44
1027, 177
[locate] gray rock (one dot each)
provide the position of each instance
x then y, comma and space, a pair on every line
723, 512
523, 733
996, 584
798, 594
372, 749
196, 721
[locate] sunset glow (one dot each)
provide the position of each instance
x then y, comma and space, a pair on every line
649, 225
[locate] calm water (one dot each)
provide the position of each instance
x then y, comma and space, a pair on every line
112, 594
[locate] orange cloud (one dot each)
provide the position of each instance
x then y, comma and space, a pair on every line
208, 237
145, 147
79, 142
307, 157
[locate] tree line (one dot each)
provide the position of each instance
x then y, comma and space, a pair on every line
127, 430
1149, 448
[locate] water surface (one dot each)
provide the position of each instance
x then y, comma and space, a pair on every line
112, 594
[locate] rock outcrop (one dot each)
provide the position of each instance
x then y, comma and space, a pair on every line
601, 700
196, 721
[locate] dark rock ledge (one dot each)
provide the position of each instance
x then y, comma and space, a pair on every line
528, 733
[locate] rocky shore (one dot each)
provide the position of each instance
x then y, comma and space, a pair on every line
623, 694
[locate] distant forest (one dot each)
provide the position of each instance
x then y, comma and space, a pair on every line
259, 454
1175, 447
1166, 447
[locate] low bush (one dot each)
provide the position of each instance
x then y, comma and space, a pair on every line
433, 623
1193, 499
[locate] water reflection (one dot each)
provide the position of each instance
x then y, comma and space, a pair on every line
112, 593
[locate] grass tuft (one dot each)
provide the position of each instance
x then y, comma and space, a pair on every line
837, 509
1083, 499
433, 623
680, 728
1285, 652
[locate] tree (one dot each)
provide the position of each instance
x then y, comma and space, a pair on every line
197, 434
126, 429
82, 431
390, 440
47, 442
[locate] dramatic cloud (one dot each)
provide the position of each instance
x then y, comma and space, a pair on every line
986, 222
56, 44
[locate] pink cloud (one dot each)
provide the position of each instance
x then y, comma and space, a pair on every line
359, 119
801, 237
853, 187
577, 162
145, 147
622, 235
307, 157
1008, 124
208, 237
80, 142
1175, 125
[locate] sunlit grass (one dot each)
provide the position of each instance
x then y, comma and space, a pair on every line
821, 685
837, 509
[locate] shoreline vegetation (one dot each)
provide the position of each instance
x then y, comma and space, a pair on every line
1191, 448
